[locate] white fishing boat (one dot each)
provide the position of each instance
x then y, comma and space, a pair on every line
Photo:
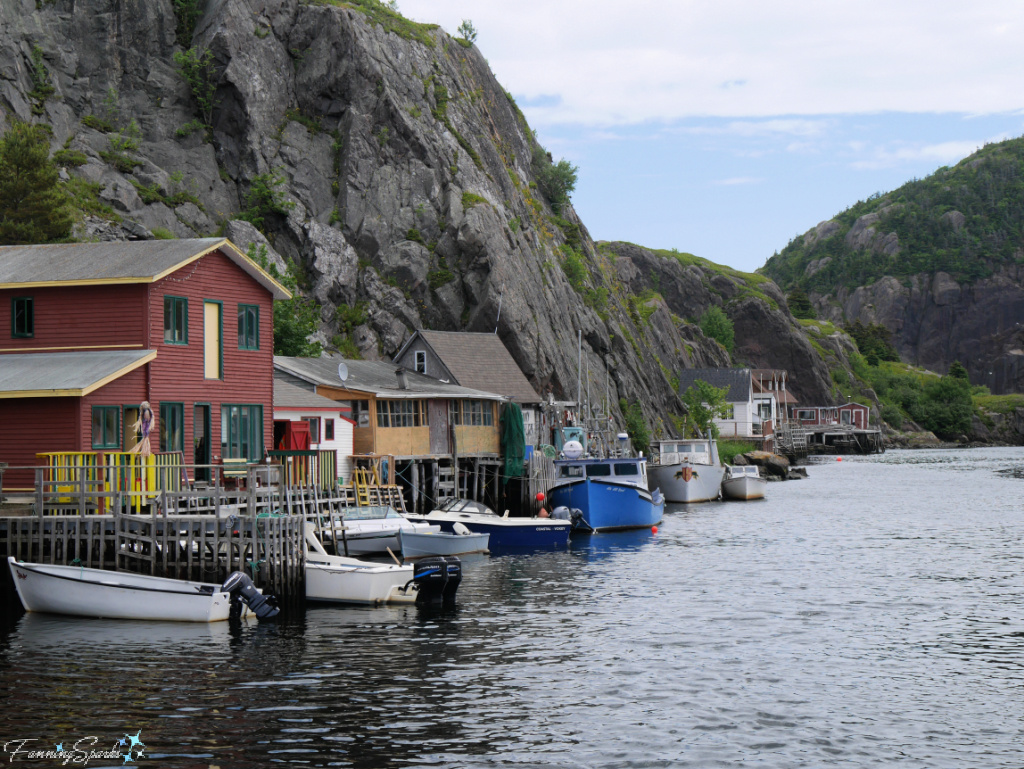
460, 541
743, 482
687, 471
505, 531
342, 579
370, 530
82, 592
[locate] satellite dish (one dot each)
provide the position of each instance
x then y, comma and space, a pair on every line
342, 372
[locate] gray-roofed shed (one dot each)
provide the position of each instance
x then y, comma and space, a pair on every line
289, 396
66, 373
480, 361
374, 377
737, 380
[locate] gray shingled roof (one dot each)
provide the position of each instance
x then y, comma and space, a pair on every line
65, 373
289, 396
119, 261
373, 377
736, 379
481, 361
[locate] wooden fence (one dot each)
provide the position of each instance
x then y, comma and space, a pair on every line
269, 548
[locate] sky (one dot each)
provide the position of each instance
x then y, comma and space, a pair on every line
726, 128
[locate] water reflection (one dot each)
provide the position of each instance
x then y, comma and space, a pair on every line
864, 617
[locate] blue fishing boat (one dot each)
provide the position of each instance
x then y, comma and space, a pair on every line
505, 532
610, 493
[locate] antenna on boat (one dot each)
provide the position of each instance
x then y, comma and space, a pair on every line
500, 297
579, 371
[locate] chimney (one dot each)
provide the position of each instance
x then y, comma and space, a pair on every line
403, 381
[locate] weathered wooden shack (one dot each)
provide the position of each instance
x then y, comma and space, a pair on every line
479, 361
436, 439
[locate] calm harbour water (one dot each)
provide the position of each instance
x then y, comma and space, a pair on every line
871, 615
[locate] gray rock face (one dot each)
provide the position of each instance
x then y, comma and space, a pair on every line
407, 172
934, 321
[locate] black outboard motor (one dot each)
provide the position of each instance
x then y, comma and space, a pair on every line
242, 589
437, 579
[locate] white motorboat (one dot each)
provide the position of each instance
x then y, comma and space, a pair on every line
82, 592
342, 579
743, 482
504, 531
370, 530
460, 541
688, 471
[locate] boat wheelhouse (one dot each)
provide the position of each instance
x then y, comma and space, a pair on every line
611, 493
688, 470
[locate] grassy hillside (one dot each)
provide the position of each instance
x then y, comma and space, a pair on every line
966, 220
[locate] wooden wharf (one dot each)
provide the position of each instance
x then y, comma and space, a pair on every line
797, 442
174, 528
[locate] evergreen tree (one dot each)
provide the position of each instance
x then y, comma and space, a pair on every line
800, 305
33, 206
957, 371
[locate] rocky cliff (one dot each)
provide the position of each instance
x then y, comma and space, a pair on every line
404, 182
935, 320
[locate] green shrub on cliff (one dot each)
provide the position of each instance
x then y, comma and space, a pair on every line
716, 324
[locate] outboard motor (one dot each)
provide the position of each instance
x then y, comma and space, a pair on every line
437, 579
242, 589
573, 515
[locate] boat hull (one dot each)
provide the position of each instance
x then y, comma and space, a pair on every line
744, 487
416, 544
608, 506
685, 482
81, 592
371, 537
506, 532
332, 579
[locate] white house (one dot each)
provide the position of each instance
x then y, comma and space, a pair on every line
753, 403
328, 428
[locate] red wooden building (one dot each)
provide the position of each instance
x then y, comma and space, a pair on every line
852, 414
90, 330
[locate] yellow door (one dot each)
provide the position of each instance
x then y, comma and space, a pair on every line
212, 347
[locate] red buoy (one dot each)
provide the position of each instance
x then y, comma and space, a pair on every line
654, 530
540, 496
839, 459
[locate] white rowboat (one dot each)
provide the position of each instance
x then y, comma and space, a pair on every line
83, 592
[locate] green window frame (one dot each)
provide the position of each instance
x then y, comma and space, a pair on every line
248, 327
241, 431
172, 427
106, 427
175, 320
22, 317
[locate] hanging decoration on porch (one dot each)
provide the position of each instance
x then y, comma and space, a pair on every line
144, 425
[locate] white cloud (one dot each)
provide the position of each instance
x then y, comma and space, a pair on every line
737, 181
661, 60
941, 153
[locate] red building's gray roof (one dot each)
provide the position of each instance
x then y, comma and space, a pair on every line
67, 374
118, 261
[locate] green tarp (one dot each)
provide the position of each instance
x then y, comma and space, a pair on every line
513, 440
